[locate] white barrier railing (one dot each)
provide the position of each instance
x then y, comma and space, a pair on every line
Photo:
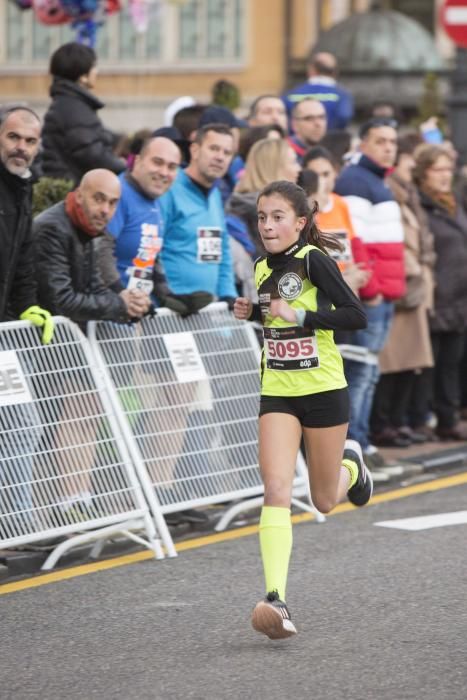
188, 392
64, 468
358, 353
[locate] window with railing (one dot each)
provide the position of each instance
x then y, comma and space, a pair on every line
189, 35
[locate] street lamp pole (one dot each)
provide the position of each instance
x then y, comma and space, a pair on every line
457, 104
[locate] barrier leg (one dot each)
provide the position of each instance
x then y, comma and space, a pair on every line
106, 532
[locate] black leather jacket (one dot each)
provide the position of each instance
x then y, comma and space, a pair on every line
17, 279
69, 283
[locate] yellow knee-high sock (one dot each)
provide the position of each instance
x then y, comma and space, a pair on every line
275, 539
352, 468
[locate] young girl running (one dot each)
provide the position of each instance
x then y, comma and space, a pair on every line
302, 300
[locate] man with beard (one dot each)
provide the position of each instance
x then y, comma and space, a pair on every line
70, 284
66, 265
20, 130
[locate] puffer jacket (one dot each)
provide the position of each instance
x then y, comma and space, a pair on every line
73, 137
69, 283
17, 279
450, 238
376, 219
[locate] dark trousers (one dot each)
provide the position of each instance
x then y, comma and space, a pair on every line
392, 400
448, 349
463, 374
421, 398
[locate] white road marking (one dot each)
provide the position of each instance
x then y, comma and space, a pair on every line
425, 522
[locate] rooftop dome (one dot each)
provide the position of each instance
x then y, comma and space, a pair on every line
380, 40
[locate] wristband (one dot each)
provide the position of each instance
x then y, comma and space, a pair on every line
300, 316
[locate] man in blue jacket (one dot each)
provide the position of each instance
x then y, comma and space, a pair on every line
322, 85
196, 258
196, 252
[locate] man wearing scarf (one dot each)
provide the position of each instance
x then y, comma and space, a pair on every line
70, 285
67, 273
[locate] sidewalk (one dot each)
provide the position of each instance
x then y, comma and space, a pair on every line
406, 461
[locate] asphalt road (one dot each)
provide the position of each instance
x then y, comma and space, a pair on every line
381, 615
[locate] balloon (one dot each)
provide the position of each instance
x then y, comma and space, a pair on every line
23, 4
112, 6
50, 12
80, 8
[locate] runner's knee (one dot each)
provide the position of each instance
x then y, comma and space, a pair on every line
324, 501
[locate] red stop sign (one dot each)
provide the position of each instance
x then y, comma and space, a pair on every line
453, 17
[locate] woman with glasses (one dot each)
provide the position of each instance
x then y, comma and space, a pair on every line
447, 221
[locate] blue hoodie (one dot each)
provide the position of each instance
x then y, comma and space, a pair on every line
196, 251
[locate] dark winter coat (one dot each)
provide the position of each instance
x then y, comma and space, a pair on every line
450, 239
69, 283
17, 280
73, 137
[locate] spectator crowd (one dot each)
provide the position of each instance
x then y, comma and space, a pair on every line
167, 217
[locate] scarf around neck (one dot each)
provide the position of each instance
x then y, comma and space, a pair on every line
446, 200
78, 217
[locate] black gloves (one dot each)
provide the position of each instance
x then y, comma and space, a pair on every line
230, 301
186, 304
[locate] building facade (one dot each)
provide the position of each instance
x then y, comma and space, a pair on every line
189, 44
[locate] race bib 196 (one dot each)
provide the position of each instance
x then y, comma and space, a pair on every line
209, 244
291, 348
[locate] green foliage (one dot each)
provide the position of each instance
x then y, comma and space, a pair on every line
430, 104
47, 192
226, 94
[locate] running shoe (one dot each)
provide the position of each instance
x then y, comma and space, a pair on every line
361, 491
272, 618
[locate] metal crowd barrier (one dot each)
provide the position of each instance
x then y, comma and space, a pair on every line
358, 353
186, 394
65, 471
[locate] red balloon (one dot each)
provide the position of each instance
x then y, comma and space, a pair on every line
112, 6
50, 12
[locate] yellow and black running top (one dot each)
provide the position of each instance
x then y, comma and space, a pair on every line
300, 360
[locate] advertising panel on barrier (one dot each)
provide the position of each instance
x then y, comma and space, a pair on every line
185, 358
13, 385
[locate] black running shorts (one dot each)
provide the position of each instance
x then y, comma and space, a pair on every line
321, 410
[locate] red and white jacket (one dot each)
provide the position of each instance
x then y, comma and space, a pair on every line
377, 221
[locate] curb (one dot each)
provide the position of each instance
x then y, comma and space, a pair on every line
423, 463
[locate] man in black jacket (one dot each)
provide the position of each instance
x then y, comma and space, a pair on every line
70, 284
20, 130
66, 266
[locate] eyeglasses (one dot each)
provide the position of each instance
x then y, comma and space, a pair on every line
446, 169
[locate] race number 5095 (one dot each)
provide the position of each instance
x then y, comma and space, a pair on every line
290, 349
